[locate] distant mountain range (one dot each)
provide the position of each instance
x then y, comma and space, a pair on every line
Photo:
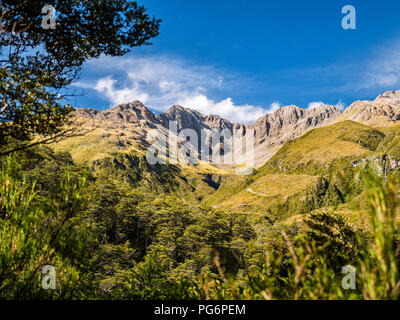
133, 120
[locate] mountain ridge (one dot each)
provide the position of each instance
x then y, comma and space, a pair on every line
271, 131
382, 112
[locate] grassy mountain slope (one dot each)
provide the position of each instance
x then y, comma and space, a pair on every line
391, 143
100, 141
323, 145
189, 183
321, 169
155, 225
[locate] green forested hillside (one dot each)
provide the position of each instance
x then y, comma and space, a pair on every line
83, 215
118, 227
323, 168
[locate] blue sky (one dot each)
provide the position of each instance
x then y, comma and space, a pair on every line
241, 59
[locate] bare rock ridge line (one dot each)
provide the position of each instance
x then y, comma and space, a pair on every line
136, 112
291, 119
383, 111
271, 131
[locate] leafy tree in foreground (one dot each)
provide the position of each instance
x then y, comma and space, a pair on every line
37, 63
43, 227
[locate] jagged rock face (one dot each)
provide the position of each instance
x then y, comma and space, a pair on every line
128, 113
132, 112
184, 117
271, 131
216, 122
291, 122
86, 113
383, 111
391, 98
190, 119
286, 122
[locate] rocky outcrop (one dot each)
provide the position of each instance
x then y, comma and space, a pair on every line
132, 112
382, 112
184, 117
291, 122
391, 98
273, 130
191, 119
270, 131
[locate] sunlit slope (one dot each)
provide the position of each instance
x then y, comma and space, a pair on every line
319, 169
391, 144
261, 193
189, 183
307, 173
96, 141
118, 150
323, 145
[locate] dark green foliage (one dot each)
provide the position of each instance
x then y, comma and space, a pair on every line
138, 172
114, 241
27, 108
331, 233
42, 227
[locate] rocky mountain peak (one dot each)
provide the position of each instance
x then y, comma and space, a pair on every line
270, 131
288, 113
132, 112
189, 118
177, 111
383, 111
322, 113
86, 113
291, 121
389, 97
214, 121
185, 117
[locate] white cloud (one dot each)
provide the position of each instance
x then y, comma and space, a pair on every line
383, 68
341, 105
274, 106
316, 104
160, 82
117, 96
225, 108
